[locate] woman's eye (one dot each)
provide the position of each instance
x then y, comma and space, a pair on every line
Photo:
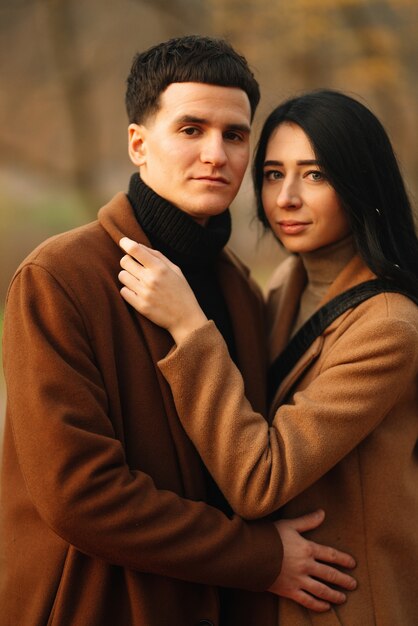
316, 175
273, 175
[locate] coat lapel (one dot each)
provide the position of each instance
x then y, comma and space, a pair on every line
118, 219
283, 304
246, 310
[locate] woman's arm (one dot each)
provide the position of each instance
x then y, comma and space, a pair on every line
157, 289
270, 465
358, 385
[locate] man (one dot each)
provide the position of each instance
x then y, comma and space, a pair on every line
109, 517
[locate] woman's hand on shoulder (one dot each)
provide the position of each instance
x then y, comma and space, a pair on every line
157, 289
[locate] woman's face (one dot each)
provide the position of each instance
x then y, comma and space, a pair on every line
302, 208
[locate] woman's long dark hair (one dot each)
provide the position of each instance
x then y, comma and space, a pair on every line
356, 156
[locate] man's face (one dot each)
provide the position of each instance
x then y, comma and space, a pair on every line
194, 150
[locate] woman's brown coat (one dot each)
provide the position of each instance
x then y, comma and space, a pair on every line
103, 514
343, 437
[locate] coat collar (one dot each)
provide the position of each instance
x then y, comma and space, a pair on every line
245, 307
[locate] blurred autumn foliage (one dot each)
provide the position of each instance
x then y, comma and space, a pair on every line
63, 70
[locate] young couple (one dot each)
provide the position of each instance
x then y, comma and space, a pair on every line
109, 515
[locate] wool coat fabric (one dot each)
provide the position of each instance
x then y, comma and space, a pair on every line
103, 515
343, 437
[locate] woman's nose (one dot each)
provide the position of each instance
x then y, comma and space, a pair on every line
289, 196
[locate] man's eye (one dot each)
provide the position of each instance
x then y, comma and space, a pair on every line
231, 136
190, 130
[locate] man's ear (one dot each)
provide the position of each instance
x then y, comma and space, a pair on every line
137, 144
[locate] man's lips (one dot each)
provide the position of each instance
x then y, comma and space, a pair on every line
215, 180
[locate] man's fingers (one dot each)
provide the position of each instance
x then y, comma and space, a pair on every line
308, 521
323, 592
331, 555
309, 602
333, 576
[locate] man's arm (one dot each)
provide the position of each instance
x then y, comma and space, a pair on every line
75, 468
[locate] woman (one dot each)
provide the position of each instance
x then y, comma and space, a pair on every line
344, 427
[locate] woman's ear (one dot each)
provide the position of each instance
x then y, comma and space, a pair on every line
137, 144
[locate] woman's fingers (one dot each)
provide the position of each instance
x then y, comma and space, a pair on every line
147, 257
131, 298
131, 282
132, 266
142, 254
159, 255
134, 249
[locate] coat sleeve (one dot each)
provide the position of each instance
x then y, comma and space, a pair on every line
259, 467
74, 466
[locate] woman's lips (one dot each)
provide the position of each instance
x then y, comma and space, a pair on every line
293, 228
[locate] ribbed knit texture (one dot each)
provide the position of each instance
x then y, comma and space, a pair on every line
195, 249
322, 268
174, 232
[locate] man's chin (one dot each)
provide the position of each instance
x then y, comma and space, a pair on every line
206, 208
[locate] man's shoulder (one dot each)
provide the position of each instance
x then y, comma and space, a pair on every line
68, 248
84, 246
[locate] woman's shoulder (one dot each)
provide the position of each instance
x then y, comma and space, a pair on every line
387, 319
395, 306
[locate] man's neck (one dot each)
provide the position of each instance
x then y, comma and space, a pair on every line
173, 231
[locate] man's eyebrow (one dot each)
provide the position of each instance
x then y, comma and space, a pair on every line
192, 119
301, 162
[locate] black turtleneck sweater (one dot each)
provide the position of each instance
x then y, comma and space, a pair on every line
195, 249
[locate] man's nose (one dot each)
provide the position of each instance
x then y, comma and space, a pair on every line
213, 151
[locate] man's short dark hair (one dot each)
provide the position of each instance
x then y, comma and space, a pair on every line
191, 58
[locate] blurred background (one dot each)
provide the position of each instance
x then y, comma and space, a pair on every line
63, 66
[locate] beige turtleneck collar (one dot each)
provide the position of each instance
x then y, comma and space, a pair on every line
322, 267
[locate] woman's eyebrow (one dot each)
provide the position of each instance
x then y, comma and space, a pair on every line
301, 162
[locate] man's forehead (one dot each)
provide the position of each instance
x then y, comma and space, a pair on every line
202, 99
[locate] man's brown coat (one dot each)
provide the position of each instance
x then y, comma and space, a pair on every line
103, 514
